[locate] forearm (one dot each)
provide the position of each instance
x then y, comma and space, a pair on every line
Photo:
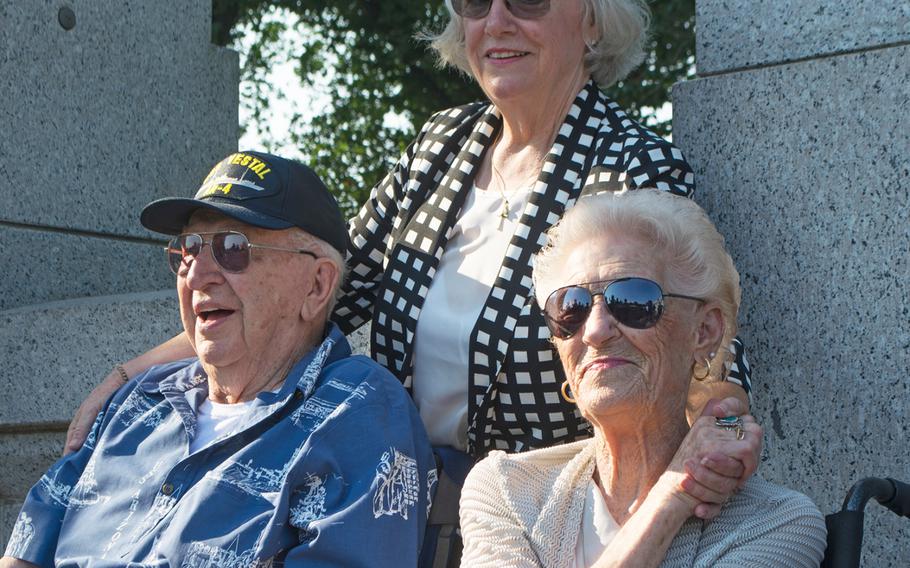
644, 539
174, 349
492, 533
10, 562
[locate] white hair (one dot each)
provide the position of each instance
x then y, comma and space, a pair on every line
622, 32
696, 261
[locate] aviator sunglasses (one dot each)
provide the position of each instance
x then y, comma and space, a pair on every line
230, 249
634, 302
524, 9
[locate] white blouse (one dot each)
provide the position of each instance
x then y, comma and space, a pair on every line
464, 278
598, 528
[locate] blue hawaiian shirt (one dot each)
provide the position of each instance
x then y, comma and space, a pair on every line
334, 469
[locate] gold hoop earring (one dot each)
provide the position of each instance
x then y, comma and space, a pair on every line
567, 392
707, 371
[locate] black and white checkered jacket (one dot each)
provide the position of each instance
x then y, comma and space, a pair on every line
401, 232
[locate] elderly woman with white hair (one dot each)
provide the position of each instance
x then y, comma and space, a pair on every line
639, 295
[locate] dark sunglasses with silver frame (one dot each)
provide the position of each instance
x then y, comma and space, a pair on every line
634, 302
524, 9
230, 249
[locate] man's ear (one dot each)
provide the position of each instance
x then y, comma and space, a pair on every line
324, 276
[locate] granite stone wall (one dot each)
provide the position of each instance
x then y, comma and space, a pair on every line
107, 105
798, 129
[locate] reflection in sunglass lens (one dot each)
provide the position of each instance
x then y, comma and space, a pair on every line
525, 9
183, 247
231, 251
633, 302
567, 309
174, 256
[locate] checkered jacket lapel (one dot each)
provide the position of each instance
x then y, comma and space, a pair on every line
560, 182
435, 196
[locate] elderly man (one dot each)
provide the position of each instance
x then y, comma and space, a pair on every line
275, 444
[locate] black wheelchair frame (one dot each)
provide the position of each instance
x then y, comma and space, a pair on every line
845, 528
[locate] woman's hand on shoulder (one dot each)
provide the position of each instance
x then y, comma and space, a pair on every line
712, 462
85, 415
175, 348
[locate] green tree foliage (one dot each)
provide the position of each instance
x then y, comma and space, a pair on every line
367, 51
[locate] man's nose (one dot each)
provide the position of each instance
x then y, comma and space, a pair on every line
203, 269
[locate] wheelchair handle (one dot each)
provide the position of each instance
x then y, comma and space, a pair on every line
893, 494
845, 528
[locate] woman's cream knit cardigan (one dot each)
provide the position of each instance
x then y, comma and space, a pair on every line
525, 510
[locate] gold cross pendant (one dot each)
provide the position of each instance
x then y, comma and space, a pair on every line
504, 212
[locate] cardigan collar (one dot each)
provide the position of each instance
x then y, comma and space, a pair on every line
575, 465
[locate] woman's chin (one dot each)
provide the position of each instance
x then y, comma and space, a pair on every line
610, 401
503, 90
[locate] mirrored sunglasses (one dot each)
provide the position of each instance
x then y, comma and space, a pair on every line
524, 9
634, 302
230, 249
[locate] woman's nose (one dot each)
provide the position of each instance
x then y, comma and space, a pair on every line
600, 326
500, 19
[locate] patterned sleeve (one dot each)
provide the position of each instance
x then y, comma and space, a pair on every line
37, 529
659, 164
369, 232
366, 492
740, 372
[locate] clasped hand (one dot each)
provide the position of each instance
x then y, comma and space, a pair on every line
711, 464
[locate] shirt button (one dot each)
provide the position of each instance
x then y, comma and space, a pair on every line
167, 488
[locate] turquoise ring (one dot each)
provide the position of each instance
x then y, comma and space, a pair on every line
734, 423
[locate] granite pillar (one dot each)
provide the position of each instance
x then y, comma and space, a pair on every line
798, 129
106, 106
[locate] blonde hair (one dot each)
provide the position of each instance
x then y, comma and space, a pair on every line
622, 32
696, 261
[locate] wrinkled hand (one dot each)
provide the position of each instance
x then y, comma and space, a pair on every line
87, 412
714, 462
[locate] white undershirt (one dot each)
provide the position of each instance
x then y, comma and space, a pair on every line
214, 420
598, 528
463, 280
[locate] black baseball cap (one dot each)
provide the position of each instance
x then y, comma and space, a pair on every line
259, 189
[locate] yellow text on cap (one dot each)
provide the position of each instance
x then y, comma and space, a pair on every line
252, 163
